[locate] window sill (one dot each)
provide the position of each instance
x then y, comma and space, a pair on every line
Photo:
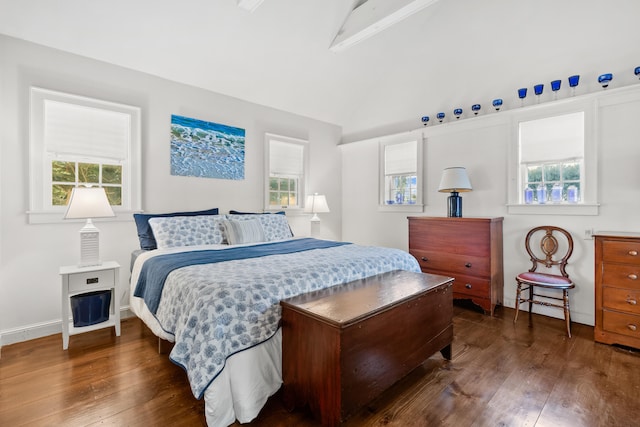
400, 208
552, 209
57, 217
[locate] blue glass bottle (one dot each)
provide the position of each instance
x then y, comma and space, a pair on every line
528, 195
541, 192
572, 194
497, 103
556, 193
475, 108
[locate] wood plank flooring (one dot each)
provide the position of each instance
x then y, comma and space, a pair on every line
500, 375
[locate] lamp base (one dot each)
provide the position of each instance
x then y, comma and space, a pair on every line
89, 245
455, 205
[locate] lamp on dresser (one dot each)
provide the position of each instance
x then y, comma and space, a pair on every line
454, 180
87, 203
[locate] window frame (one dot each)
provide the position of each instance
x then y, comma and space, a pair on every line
302, 179
588, 204
41, 209
383, 143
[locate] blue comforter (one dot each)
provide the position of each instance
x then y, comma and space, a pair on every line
217, 309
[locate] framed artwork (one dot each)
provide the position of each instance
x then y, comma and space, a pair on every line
206, 149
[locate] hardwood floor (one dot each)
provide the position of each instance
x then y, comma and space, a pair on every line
500, 375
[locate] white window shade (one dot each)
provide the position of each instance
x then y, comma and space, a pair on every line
553, 138
400, 159
85, 131
286, 158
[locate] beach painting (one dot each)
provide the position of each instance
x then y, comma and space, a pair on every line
206, 149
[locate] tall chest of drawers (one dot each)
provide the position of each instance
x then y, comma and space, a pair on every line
467, 249
617, 287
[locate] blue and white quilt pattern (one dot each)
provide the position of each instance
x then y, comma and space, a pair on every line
216, 310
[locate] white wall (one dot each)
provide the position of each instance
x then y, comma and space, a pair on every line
30, 255
481, 144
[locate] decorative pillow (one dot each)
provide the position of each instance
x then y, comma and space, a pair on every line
247, 231
145, 234
275, 226
175, 231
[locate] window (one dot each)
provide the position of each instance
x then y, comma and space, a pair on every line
287, 159
82, 141
552, 158
401, 172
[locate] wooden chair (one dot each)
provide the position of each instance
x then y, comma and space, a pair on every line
546, 256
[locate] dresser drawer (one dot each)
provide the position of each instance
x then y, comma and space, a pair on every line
621, 300
81, 282
623, 252
621, 276
472, 286
453, 264
620, 323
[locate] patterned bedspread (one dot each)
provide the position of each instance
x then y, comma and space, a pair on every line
216, 310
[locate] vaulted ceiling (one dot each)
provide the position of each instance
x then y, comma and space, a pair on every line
453, 53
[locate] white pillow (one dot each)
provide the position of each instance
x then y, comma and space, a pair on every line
275, 226
248, 231
174, 231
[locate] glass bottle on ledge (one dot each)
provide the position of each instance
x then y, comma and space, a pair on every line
528, 195
556, 193
572, 194
541, 192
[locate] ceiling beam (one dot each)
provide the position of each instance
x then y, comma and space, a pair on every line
373, 16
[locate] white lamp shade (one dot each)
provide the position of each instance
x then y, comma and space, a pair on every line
88, 202
316, 203
454, 179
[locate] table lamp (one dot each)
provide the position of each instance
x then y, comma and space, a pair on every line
89, 202
454, 180
317, 203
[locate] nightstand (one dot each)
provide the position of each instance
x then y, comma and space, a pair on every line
81, 280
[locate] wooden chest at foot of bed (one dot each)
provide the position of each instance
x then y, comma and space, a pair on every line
343, 346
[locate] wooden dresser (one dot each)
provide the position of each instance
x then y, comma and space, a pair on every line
468, 249
617, 274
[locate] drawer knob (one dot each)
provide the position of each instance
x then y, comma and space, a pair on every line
468, 286
468, 265
633, 276
633, 253
632, 327
424, 258
631, 301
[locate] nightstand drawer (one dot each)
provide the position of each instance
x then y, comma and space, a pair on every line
620, 323
80, 282
621, 299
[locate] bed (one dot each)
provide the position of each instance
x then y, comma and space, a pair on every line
216, 296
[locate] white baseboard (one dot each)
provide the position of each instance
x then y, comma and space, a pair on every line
39, 330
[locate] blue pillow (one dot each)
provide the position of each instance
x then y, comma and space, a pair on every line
232, 212
145, 234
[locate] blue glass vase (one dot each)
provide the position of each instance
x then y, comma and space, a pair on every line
497, 103
573, 83
522, 94
541, 192
440, 117
475, 108
555, 87
457, 112
537, 89
528, 195
636, 71
605, 79
425, 120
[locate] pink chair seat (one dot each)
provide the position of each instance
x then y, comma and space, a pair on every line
542, 279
